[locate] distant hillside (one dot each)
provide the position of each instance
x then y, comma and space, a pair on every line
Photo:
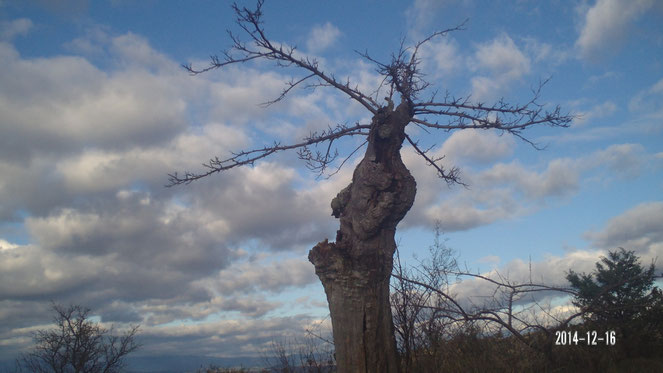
181, 364
170, 364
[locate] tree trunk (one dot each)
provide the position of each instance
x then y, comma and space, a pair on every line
355, 270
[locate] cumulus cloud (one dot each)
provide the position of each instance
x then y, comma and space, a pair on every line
502, 57
6, 245
78, 105
84, 160
497, 191
272, 277
481, 293
560, 178
18, 27
623, 160
499, 62
93, 43
503, 190
546, 52
422, 13
607, 24
648, 101
440, 57
223, 337
322, 37
477, 146
98, 255
602, 110
637, 229
253, 201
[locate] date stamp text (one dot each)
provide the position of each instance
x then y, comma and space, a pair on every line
589, 338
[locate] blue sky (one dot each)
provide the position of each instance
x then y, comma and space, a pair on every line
95, 111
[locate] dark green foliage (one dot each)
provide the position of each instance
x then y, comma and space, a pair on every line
620, 295
617, 292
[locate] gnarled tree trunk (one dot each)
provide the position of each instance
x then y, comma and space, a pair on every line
355, 270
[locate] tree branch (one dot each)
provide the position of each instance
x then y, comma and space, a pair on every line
249, 157
402, 75
450, 177
250, 21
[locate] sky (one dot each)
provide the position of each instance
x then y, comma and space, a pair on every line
96, 111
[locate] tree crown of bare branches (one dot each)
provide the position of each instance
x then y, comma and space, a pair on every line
78, 345
402, 77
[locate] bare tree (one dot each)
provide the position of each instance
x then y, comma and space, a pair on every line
77, 345
356, 269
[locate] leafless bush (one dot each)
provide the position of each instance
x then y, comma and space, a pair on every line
314, 353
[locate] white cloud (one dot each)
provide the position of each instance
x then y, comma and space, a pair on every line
545, 52
502, 62
93, 43
608, 75
638, 229
501, 57
78, 105
607, 24
233, 337
560, 178
648, 101
506, 190
440, 57
86, 157
237, 95
602, 110
322, 37
551, 272
254, 275
460, 216
271, 187
422, 13
131, 50
6, 245
502, 191
490, 259
477, 146
18, 27
462, 149
624, 160
107, 170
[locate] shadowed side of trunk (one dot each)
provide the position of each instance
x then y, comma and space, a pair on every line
356, 269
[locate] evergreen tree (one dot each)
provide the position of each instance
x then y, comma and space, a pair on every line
617, 292
620, 296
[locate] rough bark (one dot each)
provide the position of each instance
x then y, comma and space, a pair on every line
356, 269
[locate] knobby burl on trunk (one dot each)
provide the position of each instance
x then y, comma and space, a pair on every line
356, 269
